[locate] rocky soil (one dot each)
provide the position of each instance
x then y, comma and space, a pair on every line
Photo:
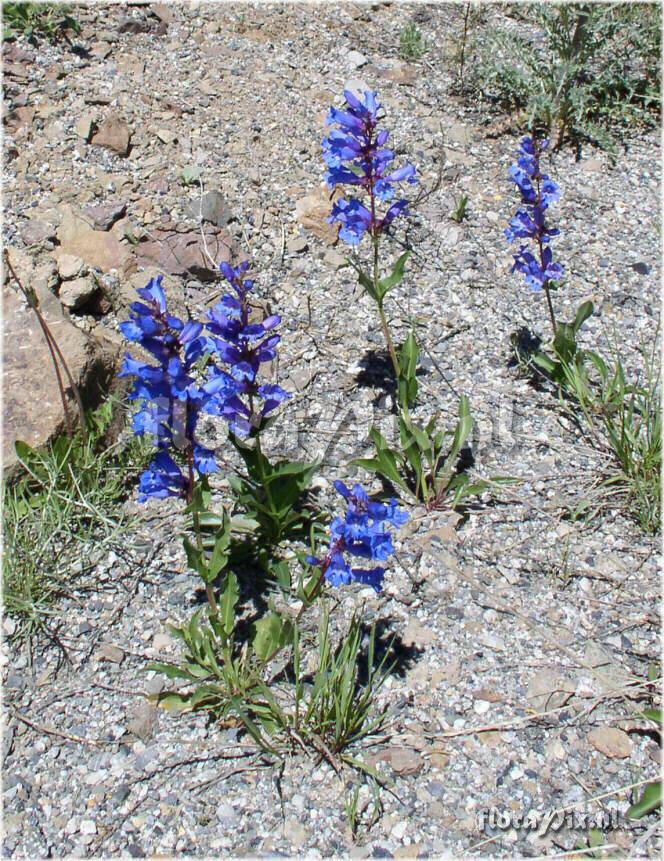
524, 637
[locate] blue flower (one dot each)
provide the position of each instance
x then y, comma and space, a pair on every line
243, 347
364, 533
354, 217
169, 394
537, 272
537, 193
356, 156
161, 479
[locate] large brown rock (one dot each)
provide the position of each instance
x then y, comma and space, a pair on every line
313, 211
113, 134
96, 247
33, 410
178, 249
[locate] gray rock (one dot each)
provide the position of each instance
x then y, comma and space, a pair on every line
144, 720
297, 245
355, 59
109, 652
113, 134
33, 232
121, 793
213, 208
177, 250
69, 266
85, 126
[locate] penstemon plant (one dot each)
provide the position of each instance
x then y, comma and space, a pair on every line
356, 156
538, 191
269, 492
212, 367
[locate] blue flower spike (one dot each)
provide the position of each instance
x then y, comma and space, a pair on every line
537, 192
363, 532
355, 154
243, 347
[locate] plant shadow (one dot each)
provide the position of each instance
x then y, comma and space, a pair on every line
525, 345
377, 372
390, 647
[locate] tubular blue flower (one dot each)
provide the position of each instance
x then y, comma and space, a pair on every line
243, 347
537, 193
161, 479
537, 272
355, 156
364, 533
169, 396
354, 217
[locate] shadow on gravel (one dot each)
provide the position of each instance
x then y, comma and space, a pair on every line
400, 657
377, 373
525, 345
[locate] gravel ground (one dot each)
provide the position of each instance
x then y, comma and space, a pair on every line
502, 614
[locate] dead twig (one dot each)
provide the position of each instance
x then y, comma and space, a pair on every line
56, 732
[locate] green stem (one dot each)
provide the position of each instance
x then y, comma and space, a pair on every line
388, 340
376, 279
209, 591
550, 304
540, 246
261, 473
312, 596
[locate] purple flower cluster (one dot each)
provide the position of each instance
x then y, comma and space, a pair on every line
171, 399
364, 533
174, 393
356, 155
538, 192
243, 346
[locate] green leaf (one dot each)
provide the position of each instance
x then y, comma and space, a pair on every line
463, 428
24, 452
649, 801
271, 633
585, 311
242, 523
595, 838
384, 464
386, 284
654, 715
171, 702
364, 280
219, 558
196, 559
281, 572
564, 343
172, 671
545, 363
228, 602
408, 387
